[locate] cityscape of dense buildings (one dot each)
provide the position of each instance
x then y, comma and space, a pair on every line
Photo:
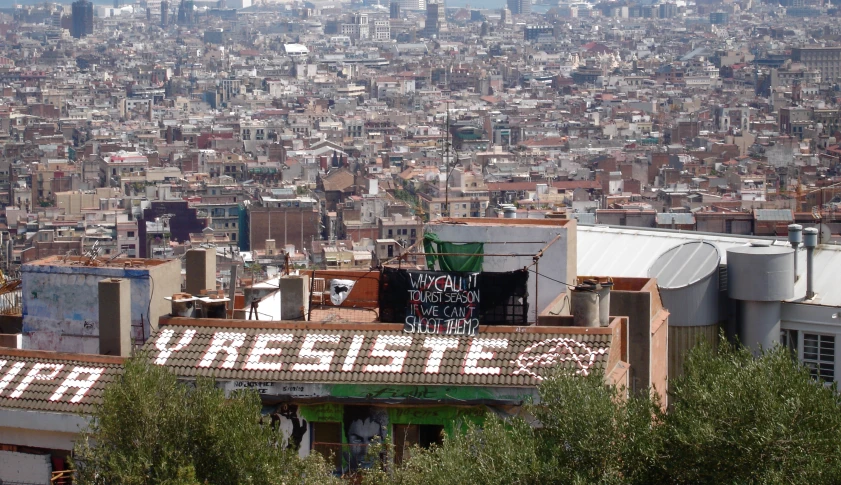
174, 169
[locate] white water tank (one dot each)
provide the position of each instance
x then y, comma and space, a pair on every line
687, 277
760, 276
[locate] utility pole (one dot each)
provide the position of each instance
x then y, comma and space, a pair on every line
447, 166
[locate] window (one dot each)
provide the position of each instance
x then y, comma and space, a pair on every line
130, 234
407, 435
819, 355
788, 339
327, 440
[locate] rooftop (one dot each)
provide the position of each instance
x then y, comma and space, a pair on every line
100, 262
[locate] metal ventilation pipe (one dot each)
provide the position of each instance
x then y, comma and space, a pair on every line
795, 237
810, 242
584, 306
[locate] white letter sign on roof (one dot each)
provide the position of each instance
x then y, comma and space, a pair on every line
397, 356
324, 357
439, 345
163, 339
10, 374
218, 343
314, 353
353, 352
477, 353
35, 373
260, 349
82, 385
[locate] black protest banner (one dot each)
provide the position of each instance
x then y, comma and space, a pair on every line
432, 302
442, 303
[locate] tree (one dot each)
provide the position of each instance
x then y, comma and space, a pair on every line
740, 419
733, 418
582, 431
152, 429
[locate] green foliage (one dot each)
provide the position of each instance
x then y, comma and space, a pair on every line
581, 432
500, 453
733, 419
591, 433
740, 419
152, 429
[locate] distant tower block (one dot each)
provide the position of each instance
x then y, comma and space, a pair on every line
82, 19
164, 13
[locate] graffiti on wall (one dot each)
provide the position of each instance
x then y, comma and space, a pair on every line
363, 426
294, 432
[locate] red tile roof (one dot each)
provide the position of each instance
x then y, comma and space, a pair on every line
54, 381
373, 353
563, 185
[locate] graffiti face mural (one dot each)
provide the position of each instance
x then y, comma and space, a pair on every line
363, 425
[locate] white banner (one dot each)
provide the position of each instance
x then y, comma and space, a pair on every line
339, 290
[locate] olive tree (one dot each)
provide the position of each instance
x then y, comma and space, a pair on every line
153, 429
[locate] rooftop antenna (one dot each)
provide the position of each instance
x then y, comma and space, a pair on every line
447, 165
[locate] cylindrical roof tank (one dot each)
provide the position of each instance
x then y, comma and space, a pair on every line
687, 276
760, 272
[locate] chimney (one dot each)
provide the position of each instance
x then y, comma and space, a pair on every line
795, 237
603, 290
201, 270
183, 305
810, 242
214, 305
294, 291
115, 317
584, 306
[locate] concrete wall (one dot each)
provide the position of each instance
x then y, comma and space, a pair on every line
637, 307
24, 468
526, 237
648, 333
167, 281
684, 339
40, 429
61, 302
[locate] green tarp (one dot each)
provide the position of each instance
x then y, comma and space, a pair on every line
471, 263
